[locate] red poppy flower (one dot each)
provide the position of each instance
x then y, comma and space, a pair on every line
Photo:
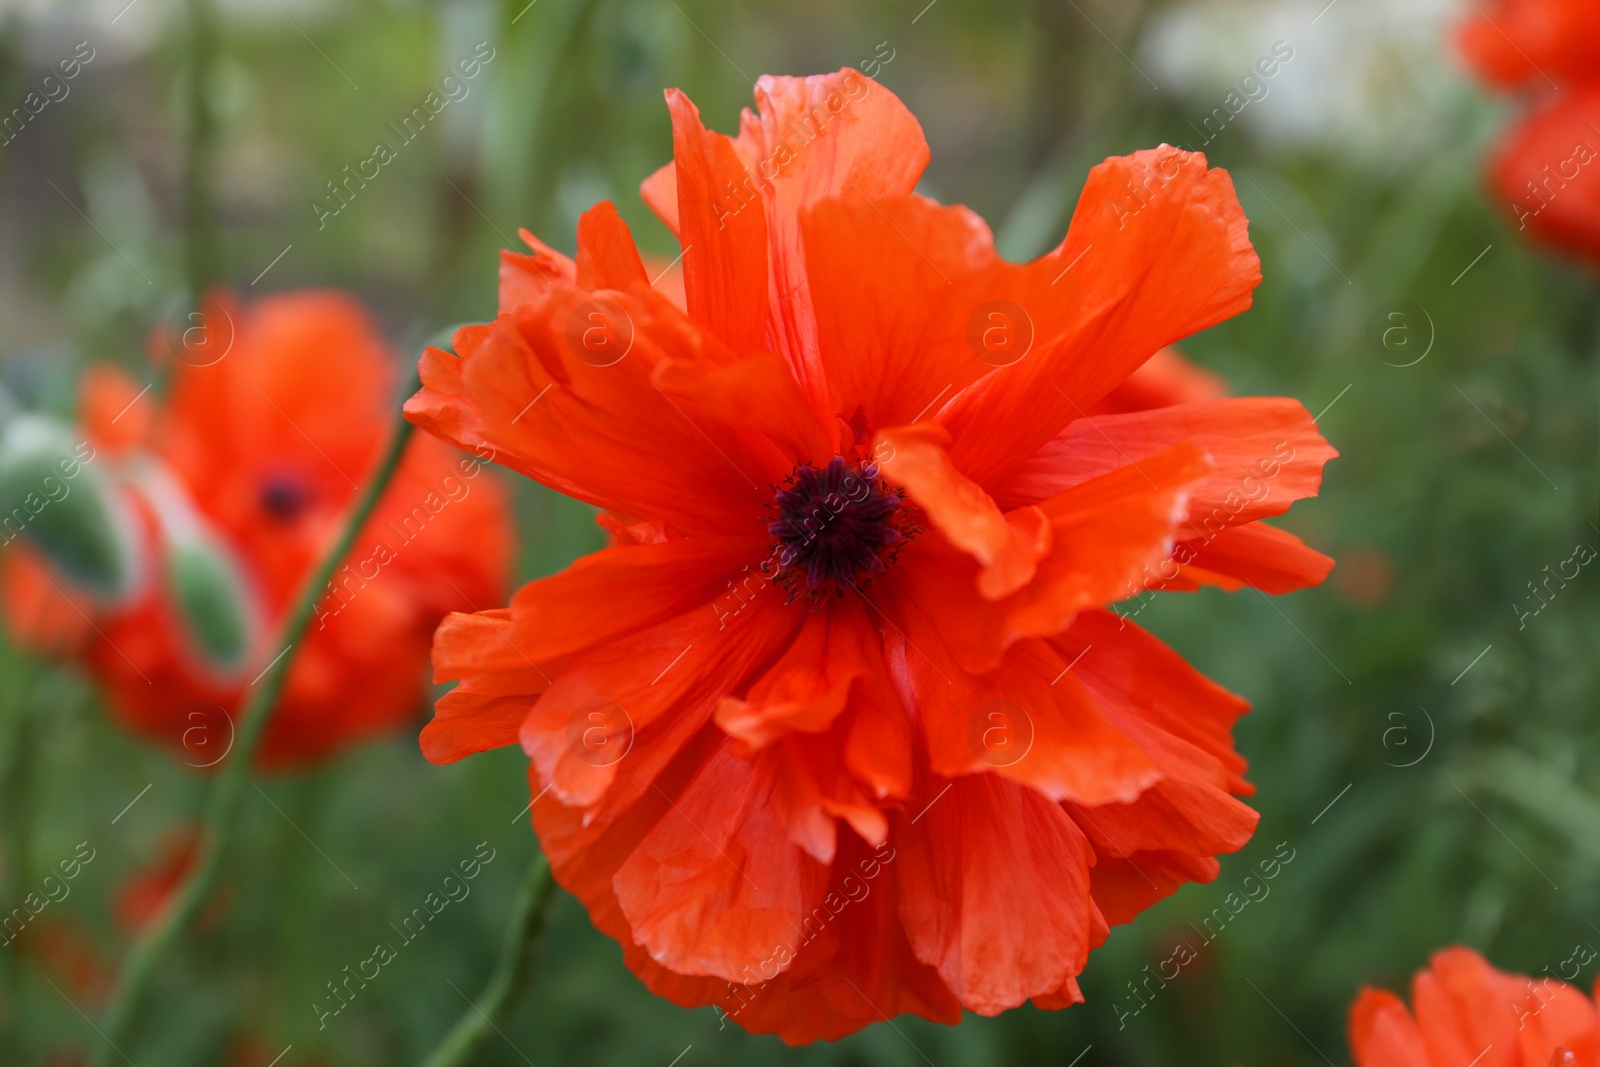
277, 413
1546, 170
1464, 1011
1539, 43
841, 726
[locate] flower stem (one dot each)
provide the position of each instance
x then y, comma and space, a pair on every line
514, 972
18, 753
228, 792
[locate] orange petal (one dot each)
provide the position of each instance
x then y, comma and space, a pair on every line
757, 393
1463, 1005
642, 585
1157, 250
1106, 535
724, 245
809, 685
114, 411
813, 789
1126, 885
660, 194
995, 882
678, 670
607, 258
498, 686
534, 396
716, 886
1382, 1032
1140, 681
895, 340
1539, 43
1008, 546
1163, 380
1266, 453
1255, 554
525, 278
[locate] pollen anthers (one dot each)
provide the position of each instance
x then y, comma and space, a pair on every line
836, 525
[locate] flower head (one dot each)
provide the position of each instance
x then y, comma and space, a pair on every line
1546, 170
1538, 44
840, 725
278, 413
1464, 1011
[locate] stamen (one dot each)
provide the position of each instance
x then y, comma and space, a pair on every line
836, 525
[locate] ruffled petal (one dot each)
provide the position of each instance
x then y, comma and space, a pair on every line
895, 341
607, 258
1265, 452
1140, 681
1009, 547
641, 585
1383, 1033
524, 278
1163, 380
674, 673
498, 686
995, 892
1029, 720
1255, 554
810, 684
716, 885
540, 394
1158, 249
724, 248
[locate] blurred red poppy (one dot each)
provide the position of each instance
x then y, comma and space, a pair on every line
143, 894
1517, 44
1546, 170
278, 413
1463, 1011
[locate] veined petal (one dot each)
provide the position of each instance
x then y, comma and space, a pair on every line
1157, 250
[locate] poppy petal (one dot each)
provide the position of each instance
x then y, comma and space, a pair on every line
717, 886
1266, 453
995, 882
1383, 1033
724, 249
1254, 554
498, 686
1158, 249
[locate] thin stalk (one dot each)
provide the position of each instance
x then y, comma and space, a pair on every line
227, 795
513, 973
17, 757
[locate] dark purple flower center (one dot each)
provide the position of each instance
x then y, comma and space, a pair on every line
835, 524
284, 497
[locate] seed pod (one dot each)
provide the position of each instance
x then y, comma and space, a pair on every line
211, 600
51, 495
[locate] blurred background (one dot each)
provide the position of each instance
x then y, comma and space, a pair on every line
1424, 743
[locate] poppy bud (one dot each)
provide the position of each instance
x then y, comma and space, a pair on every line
213, 603
211, 600
50, 494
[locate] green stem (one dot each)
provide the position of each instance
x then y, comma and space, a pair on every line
17, 756
513, 973
228, 793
